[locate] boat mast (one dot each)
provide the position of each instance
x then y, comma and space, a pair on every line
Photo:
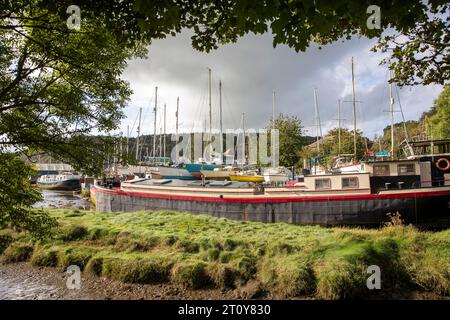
243, 140
354, 111
220, 113
160, 142
210, 108
138, 135
154, 128
164, 148
273, 129
391, 100
318, 126
128, 139
432, 143
339, 126
176, 129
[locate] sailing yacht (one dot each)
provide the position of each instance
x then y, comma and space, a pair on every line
277, 175
247, 176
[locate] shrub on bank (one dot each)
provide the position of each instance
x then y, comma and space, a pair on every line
429, 267
340, 279
17, 252
432, 277
223, 276
74, 213
44, 257
170, 240
73, 233
95, 266
96, 234
5, 240
212, 254
192, 274
246, 265
288, 276
188, 246
134, 270
74, 256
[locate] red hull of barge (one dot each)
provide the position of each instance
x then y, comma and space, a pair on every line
426, 207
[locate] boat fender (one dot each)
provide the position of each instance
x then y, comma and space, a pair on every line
440, 166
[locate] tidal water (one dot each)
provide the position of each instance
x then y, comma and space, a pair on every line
62, 199
27, 284
25, 287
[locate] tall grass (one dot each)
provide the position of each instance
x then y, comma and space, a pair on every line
199, 251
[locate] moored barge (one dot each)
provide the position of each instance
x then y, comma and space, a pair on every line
405, 186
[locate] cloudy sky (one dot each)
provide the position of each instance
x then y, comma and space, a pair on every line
250, 70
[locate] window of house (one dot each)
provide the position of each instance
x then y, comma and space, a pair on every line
350, 182
323, 184
406, 169
381, 170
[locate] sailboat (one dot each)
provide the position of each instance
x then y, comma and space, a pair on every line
223, 172
196, 168
173, 172
249, 175
220, 173
275, 174
178, 171
348, 163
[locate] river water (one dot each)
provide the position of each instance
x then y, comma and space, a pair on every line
26, 287
62, 199
26, 284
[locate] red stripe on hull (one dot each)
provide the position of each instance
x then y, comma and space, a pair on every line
278, 199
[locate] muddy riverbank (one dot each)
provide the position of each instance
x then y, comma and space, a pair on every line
21, 281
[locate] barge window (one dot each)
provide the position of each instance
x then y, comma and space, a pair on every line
381, 170
350, 182
406, 169
323, 184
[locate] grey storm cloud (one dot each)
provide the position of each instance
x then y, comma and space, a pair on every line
251, 70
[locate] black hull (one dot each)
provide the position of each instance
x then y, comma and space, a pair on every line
65, 185
428, 210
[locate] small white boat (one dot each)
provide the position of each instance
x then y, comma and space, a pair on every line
65, 181
219, 173
346, 165
277, 175
164, 172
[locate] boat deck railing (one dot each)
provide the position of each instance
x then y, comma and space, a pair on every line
416, 185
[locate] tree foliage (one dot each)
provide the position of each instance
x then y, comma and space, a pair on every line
331, 143
417, 33
433, 123
411, 129
290, 138
17, 196
329, 146
59, 86
440, 118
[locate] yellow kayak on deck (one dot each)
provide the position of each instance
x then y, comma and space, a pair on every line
246, 178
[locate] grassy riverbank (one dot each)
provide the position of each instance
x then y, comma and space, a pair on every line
205, 252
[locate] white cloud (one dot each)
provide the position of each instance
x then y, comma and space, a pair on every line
251, 69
